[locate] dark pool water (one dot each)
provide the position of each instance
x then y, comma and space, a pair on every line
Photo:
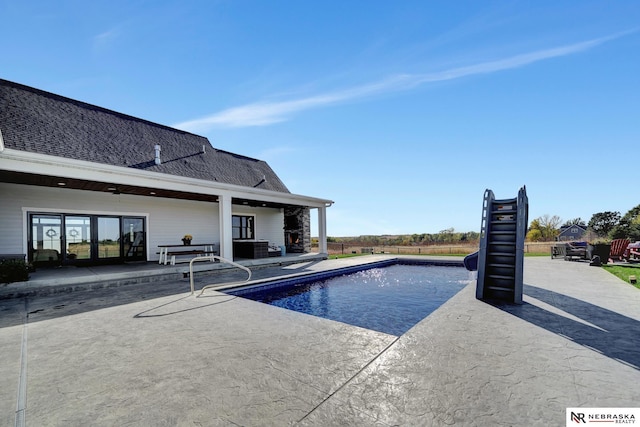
390, 299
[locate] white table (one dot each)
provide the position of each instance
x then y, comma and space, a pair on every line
169, 252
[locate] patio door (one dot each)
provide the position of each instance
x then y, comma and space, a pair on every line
57, 239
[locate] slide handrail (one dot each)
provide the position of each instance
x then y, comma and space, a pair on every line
213, 258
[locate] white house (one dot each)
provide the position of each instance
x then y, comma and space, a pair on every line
83, 184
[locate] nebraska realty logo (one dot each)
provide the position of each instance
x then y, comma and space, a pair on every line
581, 416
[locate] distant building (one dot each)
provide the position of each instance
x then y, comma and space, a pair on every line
571, 232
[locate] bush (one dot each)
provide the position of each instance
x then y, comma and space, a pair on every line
13, 270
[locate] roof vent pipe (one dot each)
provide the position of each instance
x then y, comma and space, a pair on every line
1, 142
158, 161
204, 149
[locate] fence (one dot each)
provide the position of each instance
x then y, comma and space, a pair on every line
351, 248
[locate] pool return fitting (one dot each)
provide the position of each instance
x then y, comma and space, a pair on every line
213, 258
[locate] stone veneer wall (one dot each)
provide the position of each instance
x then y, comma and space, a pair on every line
297, 229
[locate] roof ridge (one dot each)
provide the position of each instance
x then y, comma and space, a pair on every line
240, 156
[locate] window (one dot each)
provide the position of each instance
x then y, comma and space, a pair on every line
242, 226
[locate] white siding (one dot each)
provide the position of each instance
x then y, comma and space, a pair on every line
168, 220
11, 219
269, 223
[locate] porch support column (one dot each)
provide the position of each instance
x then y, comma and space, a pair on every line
322, 230
226, 232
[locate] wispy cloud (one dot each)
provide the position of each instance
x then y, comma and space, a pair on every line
106, 36
265, 113
269, 112
105, 40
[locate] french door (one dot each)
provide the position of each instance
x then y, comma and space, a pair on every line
86, 239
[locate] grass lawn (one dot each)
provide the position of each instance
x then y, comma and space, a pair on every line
624, 271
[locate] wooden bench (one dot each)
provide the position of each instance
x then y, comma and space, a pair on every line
173, 254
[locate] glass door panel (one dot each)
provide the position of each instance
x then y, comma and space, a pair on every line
78, 237
56, 239
133, 239
46, 238
108, 237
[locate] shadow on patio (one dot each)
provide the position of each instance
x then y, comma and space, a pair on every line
605, 331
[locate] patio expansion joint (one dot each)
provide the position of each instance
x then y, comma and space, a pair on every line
349, 380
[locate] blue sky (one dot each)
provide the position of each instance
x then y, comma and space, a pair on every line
403, 113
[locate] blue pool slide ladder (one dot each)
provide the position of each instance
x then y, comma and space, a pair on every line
500, 258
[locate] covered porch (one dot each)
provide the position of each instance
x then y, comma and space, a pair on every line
79, 198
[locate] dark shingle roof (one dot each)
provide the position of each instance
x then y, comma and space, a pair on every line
41, 122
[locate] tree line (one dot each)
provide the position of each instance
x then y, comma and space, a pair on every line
448, 236
606, 225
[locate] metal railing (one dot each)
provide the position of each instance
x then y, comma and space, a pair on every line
213, 258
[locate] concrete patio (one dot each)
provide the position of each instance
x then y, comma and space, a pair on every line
151, 354
46, 281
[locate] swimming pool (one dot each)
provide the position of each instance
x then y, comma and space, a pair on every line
389, 297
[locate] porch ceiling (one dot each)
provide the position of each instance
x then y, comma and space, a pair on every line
106, 187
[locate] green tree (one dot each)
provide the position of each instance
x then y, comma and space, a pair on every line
575, 221
602, 223
628, 227
534, 235
447, 235
547, 225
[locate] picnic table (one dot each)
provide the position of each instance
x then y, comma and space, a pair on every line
632, 254
168, 253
